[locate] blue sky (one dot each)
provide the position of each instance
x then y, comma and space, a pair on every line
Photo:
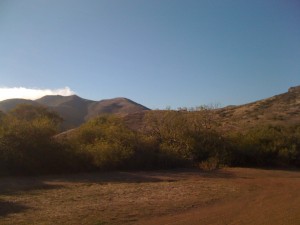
158, 53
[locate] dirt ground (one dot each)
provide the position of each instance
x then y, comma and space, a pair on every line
265, 197
231, 196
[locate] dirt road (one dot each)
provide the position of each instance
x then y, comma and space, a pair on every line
267, 197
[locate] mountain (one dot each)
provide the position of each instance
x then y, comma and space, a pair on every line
76, 110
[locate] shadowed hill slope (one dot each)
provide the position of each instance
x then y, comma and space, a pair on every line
58, 100
9, 104
114, 106
72, 109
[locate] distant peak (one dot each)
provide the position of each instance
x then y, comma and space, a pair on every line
60, 97
52, 96
122, 98
73, 96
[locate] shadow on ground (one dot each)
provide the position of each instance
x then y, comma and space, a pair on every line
7, 208
17, 185
107, 177
140, 176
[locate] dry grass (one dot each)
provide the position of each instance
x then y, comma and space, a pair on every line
107, 198
280, 109
144, 197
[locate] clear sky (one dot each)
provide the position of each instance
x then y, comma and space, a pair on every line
156, 52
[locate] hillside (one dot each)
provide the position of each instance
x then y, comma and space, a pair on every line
282, 109
76, 110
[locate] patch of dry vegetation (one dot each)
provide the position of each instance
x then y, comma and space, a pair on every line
109, 198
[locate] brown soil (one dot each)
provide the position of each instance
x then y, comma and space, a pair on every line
266, 197
228, 196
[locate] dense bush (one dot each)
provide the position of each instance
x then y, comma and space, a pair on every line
267, 146
108, 143
187, 136
105, 141
26, 142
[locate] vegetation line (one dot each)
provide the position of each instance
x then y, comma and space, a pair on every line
165, 139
